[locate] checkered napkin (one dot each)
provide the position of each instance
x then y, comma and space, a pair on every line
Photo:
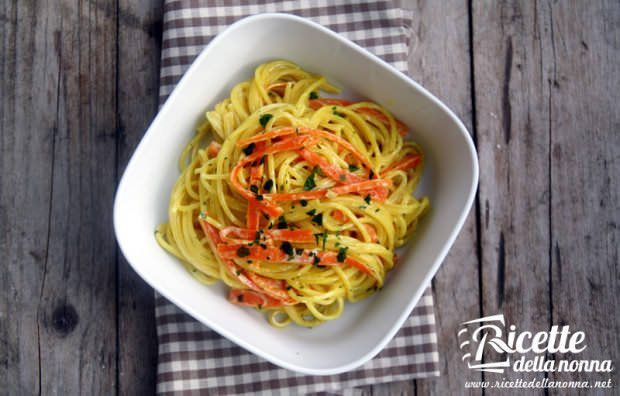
194, 359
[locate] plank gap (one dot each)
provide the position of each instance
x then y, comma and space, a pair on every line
474, 131
116, 178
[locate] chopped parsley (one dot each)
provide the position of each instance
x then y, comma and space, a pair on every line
287, 248
353, 168
268, 185
339, 114
367, 199
243, 251
324, 235
259, 197
299, 251
314, 95
249, 149
342, 254
282, 223
371, 175
318, 219
310, 183
262, 159
311, 212
303, 203
316, 260
264, 119
254, 189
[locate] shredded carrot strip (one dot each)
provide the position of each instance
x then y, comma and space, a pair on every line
256, 176
270, 254
342, 142
339, 216
213, 149
253, 281
253, 215
213, 238
360, 266
301, 236
372, 232
336, 173
278, 88
240, 234
251, 298
274, 288
276, 255
374, 185
297, 196
410, 161
316, 104
284, 131
232, 233
285, 145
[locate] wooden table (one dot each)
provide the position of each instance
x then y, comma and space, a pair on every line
537, 83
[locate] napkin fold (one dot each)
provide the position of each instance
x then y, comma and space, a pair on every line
196, 360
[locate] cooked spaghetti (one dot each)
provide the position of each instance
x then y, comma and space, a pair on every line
294, 200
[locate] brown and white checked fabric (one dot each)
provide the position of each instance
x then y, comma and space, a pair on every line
194, 359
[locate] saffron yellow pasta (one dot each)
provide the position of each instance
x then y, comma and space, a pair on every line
294, 200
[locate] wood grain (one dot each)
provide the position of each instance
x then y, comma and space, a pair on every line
77, 353
548, 236
585, 176
58, 154
512, 95
28, 37
139, 48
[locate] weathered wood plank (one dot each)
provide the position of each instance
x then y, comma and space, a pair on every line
512, 119
77, 318
138, 64
28, 99
583, 49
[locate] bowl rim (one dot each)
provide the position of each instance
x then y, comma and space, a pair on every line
433, 268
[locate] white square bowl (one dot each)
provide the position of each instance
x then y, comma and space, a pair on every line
450, 180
